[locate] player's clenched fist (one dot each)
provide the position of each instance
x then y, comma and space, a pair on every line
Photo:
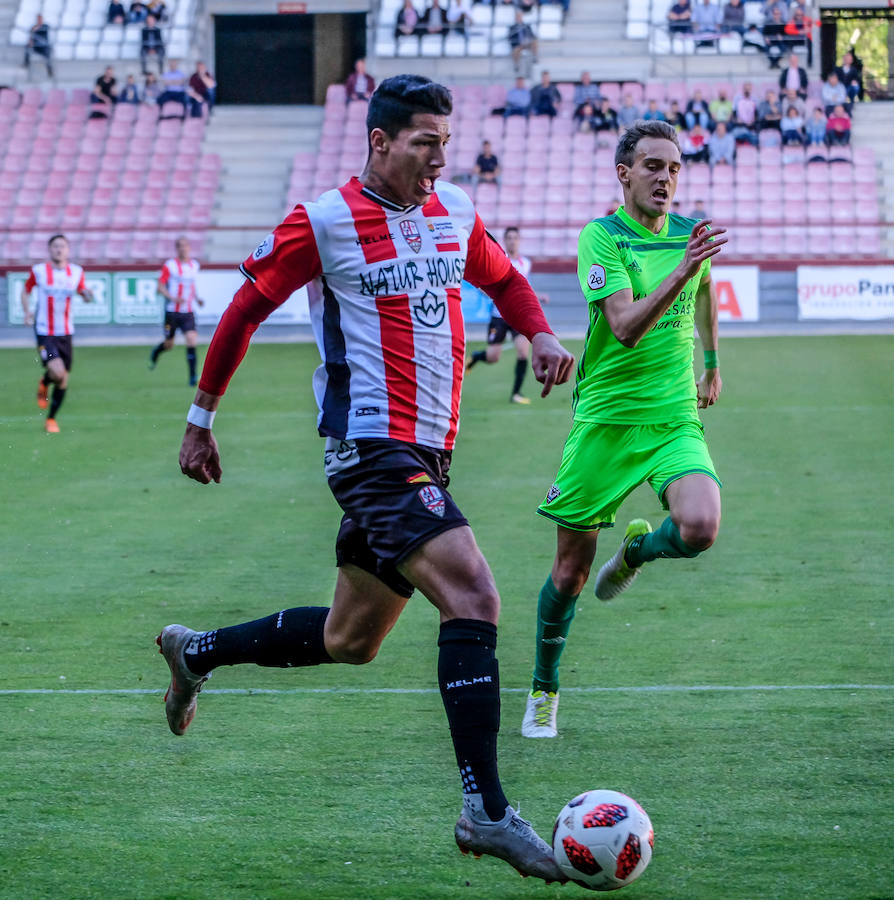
199, 456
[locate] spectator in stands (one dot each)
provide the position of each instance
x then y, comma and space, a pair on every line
834, 93
459, 15
733, 19
434, 19
721, 146
679, 18
130, 93
39, 44
721, 107
791, 99
628, 112
107, 84
792, 127
769, 113
151, 89
487, 166
174, 84
794, 78
774, 36
521, 38
606, 118
359, 85
139, 12
407, 20
838, 127
203, 88
116, 14
699, 211
770, 6
815, 128
525, 6
799, 30
744, 117
518, 99
676, 117
706, 18
158, 9
586, 91
754, 37
545, 97
850, 74
585, 118
151, 44
100, 103
697, 111
693, 144
653, 113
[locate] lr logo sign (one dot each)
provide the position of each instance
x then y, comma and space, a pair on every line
136, 298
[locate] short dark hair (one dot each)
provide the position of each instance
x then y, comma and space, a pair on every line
396, 100
55, 236
640, 129
510, 229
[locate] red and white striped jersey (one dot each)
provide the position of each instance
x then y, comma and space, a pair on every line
384, 296
180, 280
55, 288
522, 265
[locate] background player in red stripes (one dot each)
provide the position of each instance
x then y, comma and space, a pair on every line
56, 282
383, 258
177, 284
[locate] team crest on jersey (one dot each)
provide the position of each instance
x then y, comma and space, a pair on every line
596, 278
411, 235
552, 493
429, 311
265, 248
433, 500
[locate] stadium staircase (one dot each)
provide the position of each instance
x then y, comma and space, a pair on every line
873, 126
256, 145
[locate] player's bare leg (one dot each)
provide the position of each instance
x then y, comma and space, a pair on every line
58, 375
575, 551
454, 576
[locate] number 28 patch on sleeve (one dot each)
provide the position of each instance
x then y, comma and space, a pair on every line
596, 278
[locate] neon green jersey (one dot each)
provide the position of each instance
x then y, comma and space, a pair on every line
651, 383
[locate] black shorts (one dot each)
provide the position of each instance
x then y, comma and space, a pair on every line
394, 496
497, 330
55, 347
174, 320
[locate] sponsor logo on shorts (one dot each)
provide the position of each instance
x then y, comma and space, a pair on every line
552, 493
433, 500
419, 478
411, 235
265, 248
339, 455
596, 278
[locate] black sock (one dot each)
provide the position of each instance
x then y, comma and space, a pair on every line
157, 351
293, 637
46, 381
469, 678
477, 357
191, 361
56, 401
521, 368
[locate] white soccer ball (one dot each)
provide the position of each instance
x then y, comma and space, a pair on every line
603, 840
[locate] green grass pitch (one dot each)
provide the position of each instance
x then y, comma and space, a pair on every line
766, 764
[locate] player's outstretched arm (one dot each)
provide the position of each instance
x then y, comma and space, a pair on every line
630, 321
551, 362
710, 384
199, 454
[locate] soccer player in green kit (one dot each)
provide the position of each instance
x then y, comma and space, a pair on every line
646, 275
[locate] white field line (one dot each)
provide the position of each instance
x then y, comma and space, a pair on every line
636, 689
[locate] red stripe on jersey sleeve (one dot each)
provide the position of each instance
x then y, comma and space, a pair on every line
286, 260
165, 276
454, 308
82, 284
398, 350
370, 223
31, 283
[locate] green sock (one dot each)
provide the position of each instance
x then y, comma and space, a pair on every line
554, 614
665, 543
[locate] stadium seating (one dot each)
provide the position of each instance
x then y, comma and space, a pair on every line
553, 181
97, 179
78, 29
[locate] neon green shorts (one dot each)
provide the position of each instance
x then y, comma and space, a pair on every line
602, 464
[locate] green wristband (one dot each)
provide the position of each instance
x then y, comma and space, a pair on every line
710, 359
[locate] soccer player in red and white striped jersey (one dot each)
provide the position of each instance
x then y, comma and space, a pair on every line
177, 284
383, 258
55, 282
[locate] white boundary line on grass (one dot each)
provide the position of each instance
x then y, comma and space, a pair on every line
639, 689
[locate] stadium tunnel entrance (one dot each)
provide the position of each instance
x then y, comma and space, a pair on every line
843, 18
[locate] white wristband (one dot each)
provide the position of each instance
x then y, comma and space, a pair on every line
201, 417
